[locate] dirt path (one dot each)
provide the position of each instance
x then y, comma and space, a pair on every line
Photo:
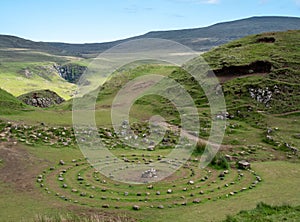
287, 113
19, 168
195, 138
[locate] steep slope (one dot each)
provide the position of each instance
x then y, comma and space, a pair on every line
10, 104
269, 68
22, 77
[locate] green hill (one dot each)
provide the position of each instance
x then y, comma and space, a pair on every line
259, 65
259, 75
23, 77
10, 104
199, 39
26, 65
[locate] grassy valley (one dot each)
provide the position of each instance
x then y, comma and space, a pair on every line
259, 76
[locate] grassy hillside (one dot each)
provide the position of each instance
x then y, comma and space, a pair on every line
261, 129
27, 65
266, 62
9, 104
23, 77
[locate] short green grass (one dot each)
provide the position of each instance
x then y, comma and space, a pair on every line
20, 78
264, 212
245, 132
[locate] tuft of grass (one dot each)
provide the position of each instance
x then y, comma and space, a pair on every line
264, 212
71, 217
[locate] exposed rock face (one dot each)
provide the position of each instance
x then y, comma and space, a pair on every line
263, 95
266, 40
254, 67
71, 72
41, 98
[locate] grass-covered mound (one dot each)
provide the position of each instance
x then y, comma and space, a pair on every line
10, 104
41, 98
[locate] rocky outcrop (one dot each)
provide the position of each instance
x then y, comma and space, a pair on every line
70, 72
41, 98
263, 95
254, 67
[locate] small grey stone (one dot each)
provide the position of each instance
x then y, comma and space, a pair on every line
196, 200
136, 207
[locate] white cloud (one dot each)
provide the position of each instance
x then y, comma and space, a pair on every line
212, 2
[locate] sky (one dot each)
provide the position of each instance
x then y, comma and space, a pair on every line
86, 21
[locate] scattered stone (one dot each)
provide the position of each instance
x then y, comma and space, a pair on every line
40, 176
150, 186
222, 174
151, 148
196, 200
61, 162
243, 164
160, 207
149, 173
105, 206
136, 207
169, 191
82, 194
191, 182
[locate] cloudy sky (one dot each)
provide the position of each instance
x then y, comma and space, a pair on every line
79, 21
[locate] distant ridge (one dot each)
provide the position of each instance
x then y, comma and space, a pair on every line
199, 39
